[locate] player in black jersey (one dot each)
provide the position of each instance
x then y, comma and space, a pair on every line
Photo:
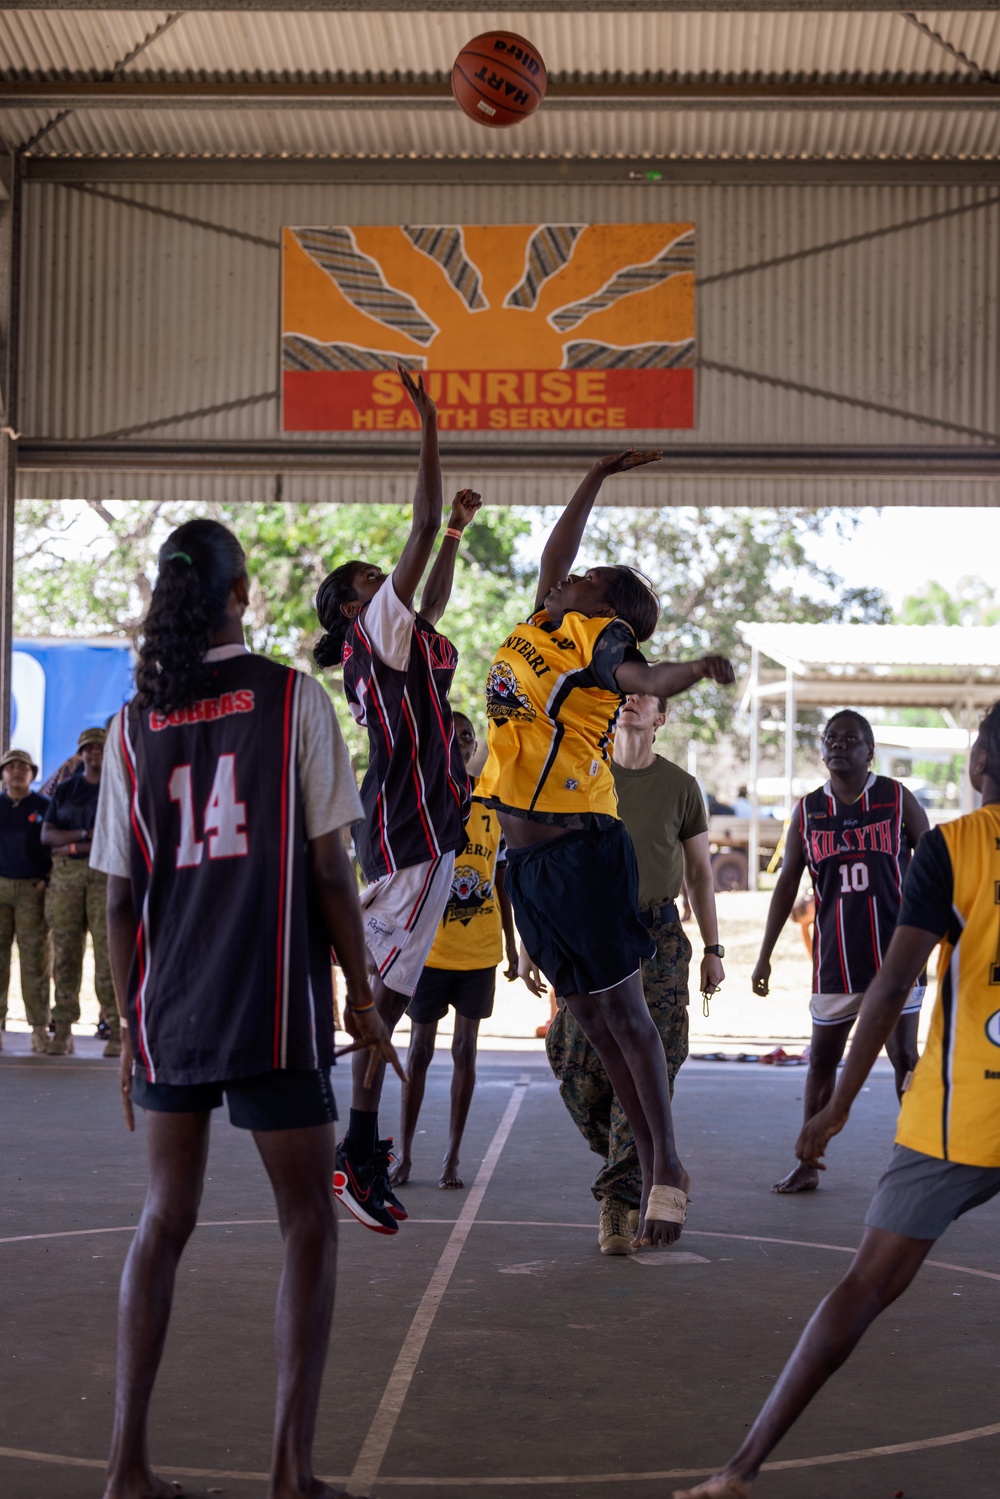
225, 786
398, 671
855, 834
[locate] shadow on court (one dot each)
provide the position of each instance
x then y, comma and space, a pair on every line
497, 1353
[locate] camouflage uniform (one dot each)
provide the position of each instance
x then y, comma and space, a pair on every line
22, 915
76, 903
584, 1085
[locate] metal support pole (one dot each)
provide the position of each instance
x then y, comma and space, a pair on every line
10, 274
753, 842
790, 726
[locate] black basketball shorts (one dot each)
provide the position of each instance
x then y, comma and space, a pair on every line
468, 991
576, 904
287, 1099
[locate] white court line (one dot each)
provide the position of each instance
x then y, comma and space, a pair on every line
376, 1443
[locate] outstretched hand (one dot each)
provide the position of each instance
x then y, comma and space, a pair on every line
718, 669
817, 1133
620, 463
464, 507
417, 393
369, 1030
530, 974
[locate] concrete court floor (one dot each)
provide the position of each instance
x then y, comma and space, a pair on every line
547, 1369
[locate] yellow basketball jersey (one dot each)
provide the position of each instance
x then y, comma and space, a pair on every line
471, 932
550, 722
952, 1108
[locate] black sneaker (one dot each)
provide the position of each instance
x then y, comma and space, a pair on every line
383, 1155
359, 1189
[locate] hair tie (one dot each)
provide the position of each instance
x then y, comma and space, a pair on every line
180, 557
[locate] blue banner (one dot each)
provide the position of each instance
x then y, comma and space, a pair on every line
59, 688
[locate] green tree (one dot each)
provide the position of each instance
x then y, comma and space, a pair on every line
88, 569
714, 569
971, 602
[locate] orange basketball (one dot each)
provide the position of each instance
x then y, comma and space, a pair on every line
498, 78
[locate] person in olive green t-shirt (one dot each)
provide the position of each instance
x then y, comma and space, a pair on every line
663, 810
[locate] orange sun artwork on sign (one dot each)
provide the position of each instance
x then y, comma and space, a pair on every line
516, 327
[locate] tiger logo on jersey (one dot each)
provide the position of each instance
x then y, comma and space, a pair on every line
504, 701
469, 893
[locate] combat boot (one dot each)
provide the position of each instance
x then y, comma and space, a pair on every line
39, 1039
61, 1044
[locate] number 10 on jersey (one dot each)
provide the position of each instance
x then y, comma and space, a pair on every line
225, 820
853, 877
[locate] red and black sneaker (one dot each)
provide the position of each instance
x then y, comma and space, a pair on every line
358, 1188
383, 1156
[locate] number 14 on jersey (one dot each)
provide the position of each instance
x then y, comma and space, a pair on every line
225, 820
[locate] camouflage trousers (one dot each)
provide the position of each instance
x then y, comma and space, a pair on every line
22, 915
584, 1085
77, 903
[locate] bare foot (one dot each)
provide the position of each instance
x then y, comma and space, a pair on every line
719, 1487
400, 1173
659, 1232
142, 1485
803, 1179
450, 1179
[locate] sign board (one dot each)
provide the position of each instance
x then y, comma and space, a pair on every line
59, 688
528, 328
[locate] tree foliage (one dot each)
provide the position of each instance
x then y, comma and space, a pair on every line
971, 602
714, 569
87, 569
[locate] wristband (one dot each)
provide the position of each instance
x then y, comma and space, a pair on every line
454, 533
360, 1009
72, 848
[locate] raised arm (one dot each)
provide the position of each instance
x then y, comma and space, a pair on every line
782, 901
559, 552
668, 678
427, 496
437, 589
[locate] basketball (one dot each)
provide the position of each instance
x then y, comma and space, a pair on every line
498, 79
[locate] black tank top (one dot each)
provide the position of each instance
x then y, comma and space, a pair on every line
231, 973
857, 856
416, 792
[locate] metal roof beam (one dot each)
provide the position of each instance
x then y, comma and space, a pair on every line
637, 172
592, 93
474, 7
684, 460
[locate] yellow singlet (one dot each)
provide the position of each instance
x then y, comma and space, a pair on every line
952, 1109
550, 720
471, 930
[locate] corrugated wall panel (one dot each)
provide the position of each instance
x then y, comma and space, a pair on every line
580, 133
827, 316
650, 492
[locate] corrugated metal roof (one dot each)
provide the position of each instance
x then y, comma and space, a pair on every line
613, 45
414, 44
831, 648
447, 133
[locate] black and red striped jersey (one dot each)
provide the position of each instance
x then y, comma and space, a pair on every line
231, 971
857, 855
416, 790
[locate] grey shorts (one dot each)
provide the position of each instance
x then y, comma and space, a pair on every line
920, 1196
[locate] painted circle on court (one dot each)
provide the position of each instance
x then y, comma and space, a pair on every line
553, 1480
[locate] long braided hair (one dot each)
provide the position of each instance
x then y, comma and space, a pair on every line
198, 565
